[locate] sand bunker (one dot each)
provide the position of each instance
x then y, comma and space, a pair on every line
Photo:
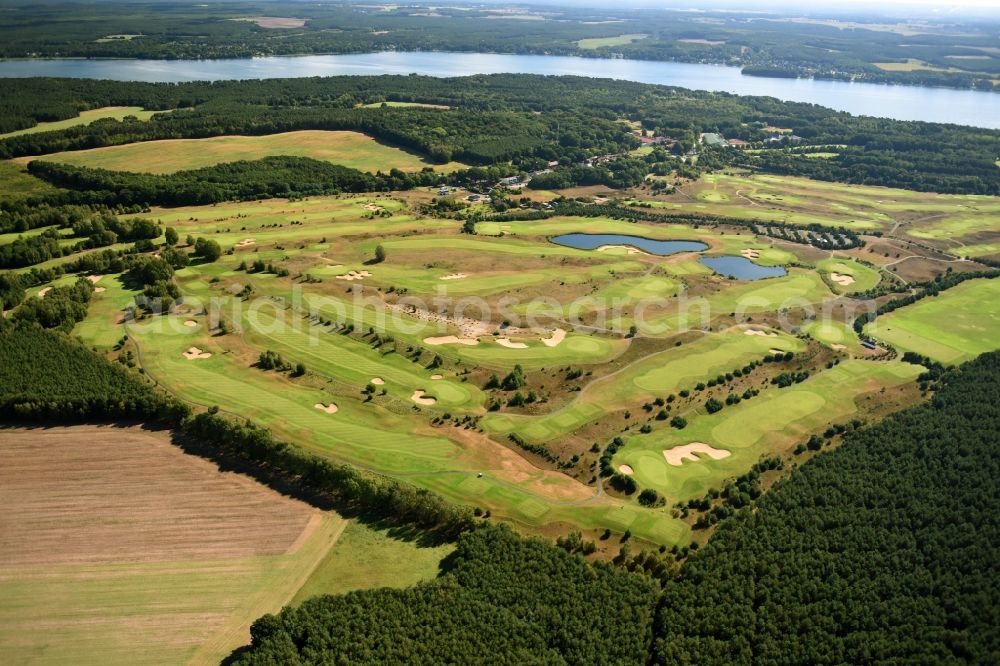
775, 350
190, 323
558, 336
246, 241
329, 409
377, 381
437, 376
99, 290
41, 294
625, 469
750, 253
841, 278
766, 334
195, 353
838, 347
354, 275
679, 454
94, 279
450, 340
509, 344
627, 248
422, 398
454, 276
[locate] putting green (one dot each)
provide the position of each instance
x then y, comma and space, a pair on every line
848, 275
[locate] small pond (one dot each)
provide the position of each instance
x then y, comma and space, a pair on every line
742, 268
658, 247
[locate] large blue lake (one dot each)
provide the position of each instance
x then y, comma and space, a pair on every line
658, 247
966, 107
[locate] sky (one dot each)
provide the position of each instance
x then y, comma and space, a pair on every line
918, 8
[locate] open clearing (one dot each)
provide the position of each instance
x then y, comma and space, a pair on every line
85, 118
350, 149
119, 548
954, 326
601, 42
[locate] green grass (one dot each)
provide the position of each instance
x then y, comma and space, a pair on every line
17, 183
954, 326
653, 376
601, 42
771, 423
865, 277
834, 333
350, 149
371, 557
85, 118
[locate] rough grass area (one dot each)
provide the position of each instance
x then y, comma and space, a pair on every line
601, 42
350, 149
85, 118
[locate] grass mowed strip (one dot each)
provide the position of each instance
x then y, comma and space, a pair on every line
771, 423
85, 118
956, 325
119, 548
350, 149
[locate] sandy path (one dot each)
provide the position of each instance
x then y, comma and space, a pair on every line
677, 455
421, 398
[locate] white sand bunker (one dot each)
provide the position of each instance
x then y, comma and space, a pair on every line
677, 455
838, 347
625, 469
194, 353
190, 323
775, 350
757, 331
377, 381
750, 253
246, 241
99, 290
422, 398
437, 376
558, 336
627, 248
354, 275
373, 207
450, 340
329, 409
454, 276
94, 279
41, 294
841, 278
510, 344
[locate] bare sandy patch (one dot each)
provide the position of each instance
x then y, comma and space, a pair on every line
435, 377
194, 353
677, 455
454, 276
99, 290
273, 21
510, 344
373, 208
354, 275
246, 241
421, 398
329, 409
842, 279
626, 469
450, 340
762, 333
558, 336
42, 292
94, 279
191, 323
377, 381
750, 253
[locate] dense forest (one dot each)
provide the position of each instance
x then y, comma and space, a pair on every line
525, 118
880, 551
807, 46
